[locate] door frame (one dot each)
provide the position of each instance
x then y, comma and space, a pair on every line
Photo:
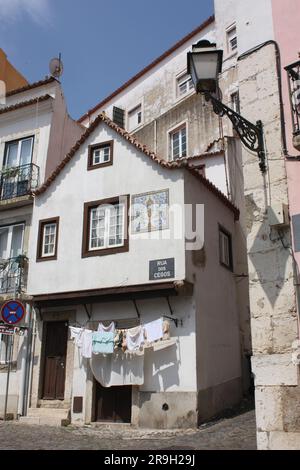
39, 353
43, 362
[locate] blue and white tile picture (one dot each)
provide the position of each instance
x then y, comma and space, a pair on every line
150, 211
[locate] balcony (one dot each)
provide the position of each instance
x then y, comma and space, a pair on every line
18, 182
293, 72
13, 275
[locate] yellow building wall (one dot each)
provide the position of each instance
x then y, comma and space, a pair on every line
9, 75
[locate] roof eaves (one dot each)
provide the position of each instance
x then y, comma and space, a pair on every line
31, 86
24, 104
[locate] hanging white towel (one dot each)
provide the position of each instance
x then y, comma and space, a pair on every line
118, 369
135, 338
154, 330
107, 329
86, 344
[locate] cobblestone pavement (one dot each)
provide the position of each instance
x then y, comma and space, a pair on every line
231, 434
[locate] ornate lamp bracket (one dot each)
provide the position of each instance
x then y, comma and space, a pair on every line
251, 135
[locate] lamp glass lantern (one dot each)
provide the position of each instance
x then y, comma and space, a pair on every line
204, 66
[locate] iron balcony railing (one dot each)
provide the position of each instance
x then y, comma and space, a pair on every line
18, 181
293, 71
13, 275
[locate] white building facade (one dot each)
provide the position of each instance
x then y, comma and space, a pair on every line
89, 282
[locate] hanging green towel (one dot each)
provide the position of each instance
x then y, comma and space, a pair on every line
103, 342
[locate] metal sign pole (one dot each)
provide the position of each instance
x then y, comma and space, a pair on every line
10, 342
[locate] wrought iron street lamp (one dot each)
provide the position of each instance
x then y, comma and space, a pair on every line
204, 66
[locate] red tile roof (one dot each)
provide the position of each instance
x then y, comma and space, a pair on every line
183, 163
178, 44
31, 86
23, 104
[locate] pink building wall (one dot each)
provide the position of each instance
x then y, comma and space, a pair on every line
286, 18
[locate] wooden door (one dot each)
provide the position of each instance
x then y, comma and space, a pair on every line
112, 404
55, 360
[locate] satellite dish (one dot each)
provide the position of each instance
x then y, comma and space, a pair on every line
56, 67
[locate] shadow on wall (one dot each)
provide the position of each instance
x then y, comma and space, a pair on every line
161, 369
268, 254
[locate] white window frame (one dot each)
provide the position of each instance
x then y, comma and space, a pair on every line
46, 255
231, 51
10, 235
102, 154
171, 132
107, 217
19, 142
131, 111
185, 78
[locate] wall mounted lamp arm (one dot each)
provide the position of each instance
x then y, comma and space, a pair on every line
250, 134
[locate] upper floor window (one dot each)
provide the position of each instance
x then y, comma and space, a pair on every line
100, 155
47, 239
11, 241
184, 85
119, 116
178, 141
232, 42
18, 152
105, 227
135, 117
225, 242
11, 247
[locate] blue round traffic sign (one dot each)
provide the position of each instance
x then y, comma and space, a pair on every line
12, 312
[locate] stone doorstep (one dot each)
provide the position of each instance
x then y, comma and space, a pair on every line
47, 417
53, 404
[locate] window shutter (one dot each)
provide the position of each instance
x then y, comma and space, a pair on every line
118, 116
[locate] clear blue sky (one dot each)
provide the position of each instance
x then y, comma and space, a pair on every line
103, 42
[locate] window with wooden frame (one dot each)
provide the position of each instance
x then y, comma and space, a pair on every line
100, 155
225, 244
48, 239
105, 227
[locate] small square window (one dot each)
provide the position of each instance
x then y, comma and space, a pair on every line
178, 143
232, 41
47, 239
100, 155
225, 242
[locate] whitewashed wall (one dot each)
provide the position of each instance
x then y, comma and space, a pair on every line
131, 173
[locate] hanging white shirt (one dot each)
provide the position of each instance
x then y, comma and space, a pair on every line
135, 338
86, 341
154, 330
